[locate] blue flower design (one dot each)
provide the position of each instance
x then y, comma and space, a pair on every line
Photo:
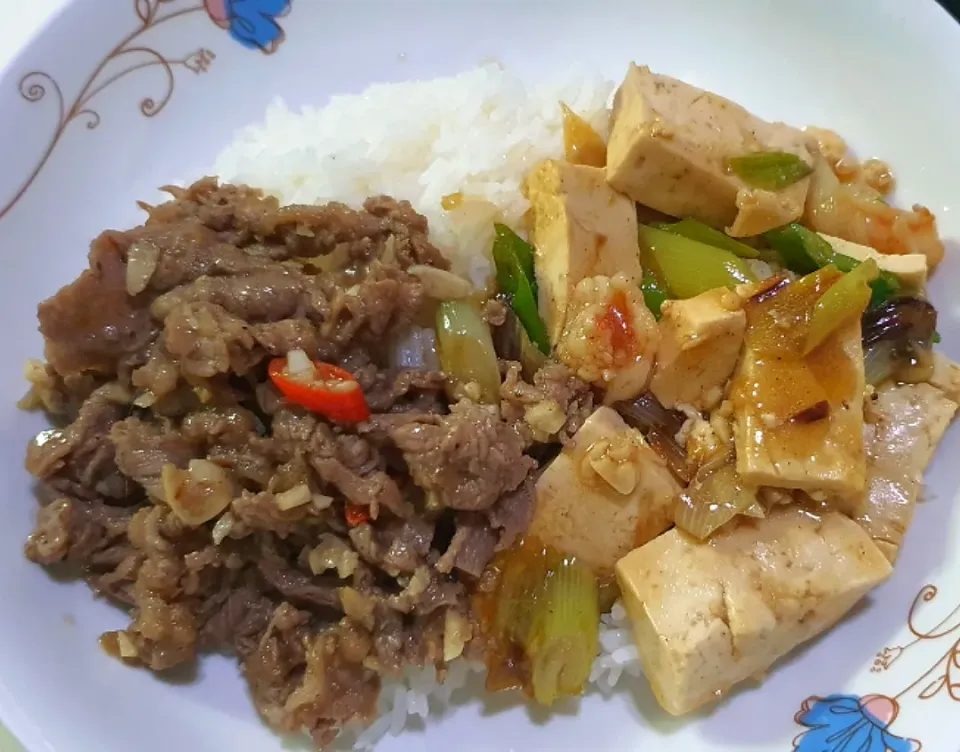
847, 723
251, 22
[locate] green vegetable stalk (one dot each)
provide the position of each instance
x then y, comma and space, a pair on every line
696, 230
687, 267
513, 258
654, 293
564, 635
845, 301
465, 348
769, 170
804, 251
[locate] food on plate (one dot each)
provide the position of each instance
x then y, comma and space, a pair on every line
581, 228
670, 148
380, 406
709, 615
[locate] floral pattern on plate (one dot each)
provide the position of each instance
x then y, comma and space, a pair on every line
252, 23
848, 723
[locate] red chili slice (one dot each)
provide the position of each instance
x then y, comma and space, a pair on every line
331, 392
356, 515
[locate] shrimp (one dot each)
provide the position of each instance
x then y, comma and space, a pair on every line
857, 213
610, 338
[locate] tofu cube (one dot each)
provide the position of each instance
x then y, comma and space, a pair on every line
580, 228
668, 149
700, 342
708, 615
606, 493
910, 268
798, 419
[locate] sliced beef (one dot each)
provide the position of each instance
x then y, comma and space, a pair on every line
238, 621
92, 323
74, 531
554, 383
352, 467
475, 543
205, 340
512, 514
405, 545
227, 426
468, 458
390, 391
292, 584
143, 448
386, 301
280, 337
79, 459
157, 355
270, 294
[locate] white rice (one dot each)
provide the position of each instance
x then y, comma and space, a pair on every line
418, 693
477, 134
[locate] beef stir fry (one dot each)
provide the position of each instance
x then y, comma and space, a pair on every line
324, 551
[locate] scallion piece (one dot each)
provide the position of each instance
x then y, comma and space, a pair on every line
465, 347
769, 170
513, 258
564, 636
696, 230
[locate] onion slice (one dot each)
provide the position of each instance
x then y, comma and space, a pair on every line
714, 498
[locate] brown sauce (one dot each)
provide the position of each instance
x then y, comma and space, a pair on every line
582, 145
784, 382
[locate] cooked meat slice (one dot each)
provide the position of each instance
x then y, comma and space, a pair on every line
409, 231
238, 622
292, 584
556, 405
142, 450
74, 531
512, 514
92, 323
205, 340
469, 458
229, 426
385, 301
79, 458
390, 389
406, 544
280, 337
271, 294
477, 544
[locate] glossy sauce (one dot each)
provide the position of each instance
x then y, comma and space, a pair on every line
452, 201
618, 322
505, 615
582, 145
784, 384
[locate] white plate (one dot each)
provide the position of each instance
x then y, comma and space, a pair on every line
83, 134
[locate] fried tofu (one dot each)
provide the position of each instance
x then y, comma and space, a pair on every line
580, 228
909, 268
668, 149
798, 419
604, 494
700, 341
708, 615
